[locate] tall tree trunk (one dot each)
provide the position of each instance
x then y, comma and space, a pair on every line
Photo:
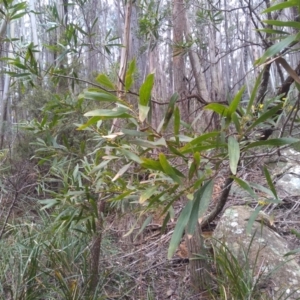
200, 265
124, 57
5, 94
179, 76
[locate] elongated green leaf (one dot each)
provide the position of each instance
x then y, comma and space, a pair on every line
293, 24
293, 252
179, 228
143, 112
254, 92
193, 219
175, 151
145, 224
48, 203
120, 197
103, 164
129, 75
146, 89
184, 138
273, 142
276, 48
206, 195
270, 182
105, 81
109, 113
198, 140
218, 108
89, 123
267, 115
243, 184
151, 164
100, 96
121, 172
192, 170
197, 158
234, 154
168, 169
283, 5
17, 75
266, 191
236, 121
252, 219
236, 101
20, 66
149, 144
213, 145
147, 194
170, 111
131, 155
135, 133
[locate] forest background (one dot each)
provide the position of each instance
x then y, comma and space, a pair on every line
119, 111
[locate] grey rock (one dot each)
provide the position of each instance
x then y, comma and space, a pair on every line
264, 248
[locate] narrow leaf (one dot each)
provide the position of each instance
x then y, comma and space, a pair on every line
198, 140
170, 111
270, 182
267, 115
276, 48
147, 194
100, 96
121, 172
234, 154
236, 101
192, 170
193, 220
143, 112
206, 195
105, 81
236, 121
273, 142
151, 164
254, 92
89, 123
293, 24
109, 113
146, 89
243, 184
168, 169
179, 228
218, 108
283, 5
252, 219
145, 224
130, 155
129, 75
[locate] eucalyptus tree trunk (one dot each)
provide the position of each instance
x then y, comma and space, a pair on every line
125, 49
34, 30
195, 243
200, 261
179, 76
124, 58
200, 80
4, 107
196, 65
135, 47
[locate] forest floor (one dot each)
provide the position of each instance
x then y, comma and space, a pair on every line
139, 269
